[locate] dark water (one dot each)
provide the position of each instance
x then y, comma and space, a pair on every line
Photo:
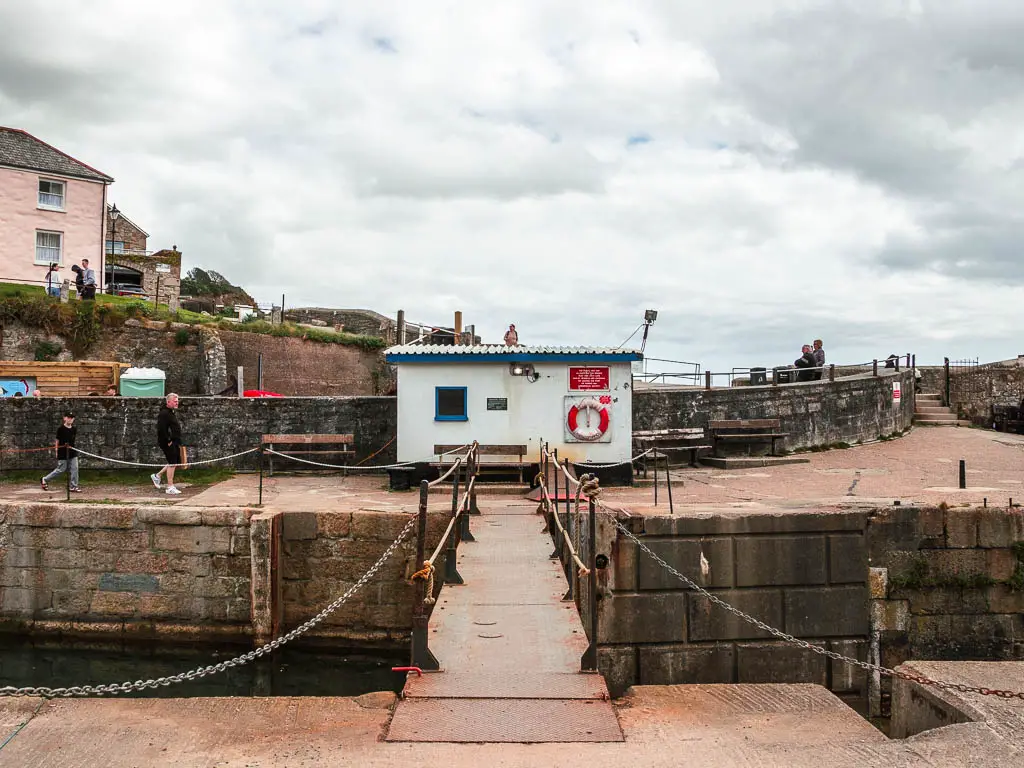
289, 672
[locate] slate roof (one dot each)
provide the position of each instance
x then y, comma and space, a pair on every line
19, 149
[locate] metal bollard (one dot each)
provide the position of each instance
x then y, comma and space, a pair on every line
261, 475
451, 571
963, 473
874, 367
588, 662
556, 553
570, 572
668, 482
707, 379
832, 372
421, 656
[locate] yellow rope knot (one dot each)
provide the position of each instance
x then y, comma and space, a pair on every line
426, 573
589, 486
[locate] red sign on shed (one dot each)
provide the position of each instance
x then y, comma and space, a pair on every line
588, 379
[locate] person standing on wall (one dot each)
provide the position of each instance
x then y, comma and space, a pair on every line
67, 457
511, 336
819, 358
88, 281
168, 437
53, 281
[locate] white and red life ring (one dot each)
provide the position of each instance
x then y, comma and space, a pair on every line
588, 432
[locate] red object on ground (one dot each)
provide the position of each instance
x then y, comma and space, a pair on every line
260, 393
417, 670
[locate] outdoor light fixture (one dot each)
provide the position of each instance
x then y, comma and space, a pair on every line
650, 315
523, 369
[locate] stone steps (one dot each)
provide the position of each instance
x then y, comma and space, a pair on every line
930, 412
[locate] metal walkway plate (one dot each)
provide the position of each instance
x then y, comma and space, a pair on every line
486, 685
518, 721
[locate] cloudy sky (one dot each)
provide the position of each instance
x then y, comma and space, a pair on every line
762, 172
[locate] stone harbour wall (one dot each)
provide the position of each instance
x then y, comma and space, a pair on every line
118, 573
125, 427
973, 390
819, 413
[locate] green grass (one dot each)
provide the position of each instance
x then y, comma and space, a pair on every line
10, 290
101, 477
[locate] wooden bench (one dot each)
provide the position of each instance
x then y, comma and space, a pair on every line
493, 467
745, 430
689, 440
345, 441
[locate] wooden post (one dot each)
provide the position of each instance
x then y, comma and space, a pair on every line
707, 379
588, 662
832, 372
458, 327
421, 656
874, 367
241, 383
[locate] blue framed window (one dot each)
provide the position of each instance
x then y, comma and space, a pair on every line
450, 404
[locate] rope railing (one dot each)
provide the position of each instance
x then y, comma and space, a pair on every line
573, 554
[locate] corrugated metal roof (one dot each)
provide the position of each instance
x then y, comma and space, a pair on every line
502, 349
20, 149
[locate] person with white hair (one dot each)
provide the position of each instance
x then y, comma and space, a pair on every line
168, 437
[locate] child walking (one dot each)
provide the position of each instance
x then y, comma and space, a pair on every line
67, 457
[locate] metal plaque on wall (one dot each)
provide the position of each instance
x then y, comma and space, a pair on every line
497, 403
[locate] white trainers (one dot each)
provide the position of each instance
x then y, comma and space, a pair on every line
155, 479
172, 491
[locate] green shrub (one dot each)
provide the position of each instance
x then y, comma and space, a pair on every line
182, 337
47, 351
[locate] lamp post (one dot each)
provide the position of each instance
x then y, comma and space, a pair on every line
114, 213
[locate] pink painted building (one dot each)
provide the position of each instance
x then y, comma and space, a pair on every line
52, 209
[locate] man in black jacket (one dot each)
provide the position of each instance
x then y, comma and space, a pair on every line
168, 437
805, 362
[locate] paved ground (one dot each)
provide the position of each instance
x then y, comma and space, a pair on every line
797, 726
921, 467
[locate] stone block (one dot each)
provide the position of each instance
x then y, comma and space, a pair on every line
192, 539
71, 602
847, 559
963, 637
231, 565
164, 606
890, 615
142, 562
114, 603
36, 515
219, 586
878, 583
642, 618
129, 582
687, 664
711, 622
299, 525
1002, 599
115, 541
848, 678
619, 668
227, 517
723, 523
90, 560
46, 538
169, 516
1000, 564
194, 565
827, 611
98, 518
22, 557
1000, 527
950, 564
942, 600
684, 555
208, 609
961, 528
22, 600
780, 560
779, 663
625, 565
386, 526
334, 525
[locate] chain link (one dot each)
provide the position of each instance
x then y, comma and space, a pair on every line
195, 674
868, 666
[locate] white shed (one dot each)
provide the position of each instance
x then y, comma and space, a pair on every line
578, 400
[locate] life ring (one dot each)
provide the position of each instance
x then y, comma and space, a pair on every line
584, 432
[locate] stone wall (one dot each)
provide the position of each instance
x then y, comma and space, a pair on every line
114, 573
800, 571
974, 390
297, 367
362, 321
125, 427
168, 283
946, 584
851, 410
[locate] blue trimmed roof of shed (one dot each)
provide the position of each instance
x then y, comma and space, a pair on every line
432, 353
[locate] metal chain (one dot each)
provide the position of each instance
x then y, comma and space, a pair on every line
195, 674
810, 646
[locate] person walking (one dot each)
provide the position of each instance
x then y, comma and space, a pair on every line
168, 437
53, 281
88, 281
511, 337
67, 457
819, 358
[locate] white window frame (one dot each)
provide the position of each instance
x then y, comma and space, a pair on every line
63, 195
60, 253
